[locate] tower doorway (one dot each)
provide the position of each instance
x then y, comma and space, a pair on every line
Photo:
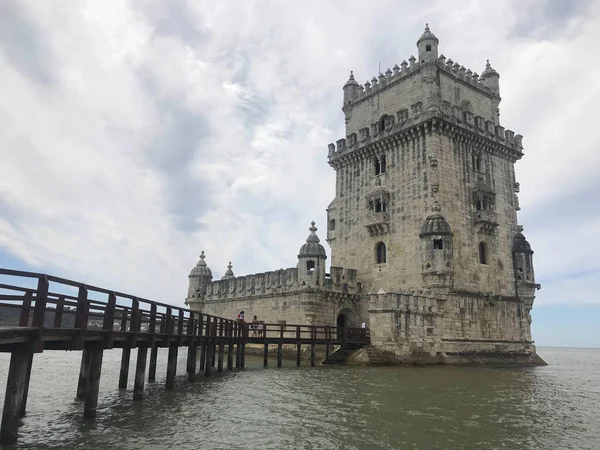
342, 321
345, 319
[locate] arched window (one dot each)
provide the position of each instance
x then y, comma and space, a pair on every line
380, 253
376, 166
428, 48
483, 256
377, 206
383, 164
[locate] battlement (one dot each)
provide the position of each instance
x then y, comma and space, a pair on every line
400, 73
405, 125
275, 283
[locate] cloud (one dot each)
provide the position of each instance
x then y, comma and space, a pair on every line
135, 134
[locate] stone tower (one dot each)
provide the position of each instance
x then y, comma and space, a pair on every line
200, 277
425, 182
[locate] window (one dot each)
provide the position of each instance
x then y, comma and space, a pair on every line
477, 163
310, 265
376, 166
428, 48
438, 244
483, 257
380, 253
382, 164
331, 224
382, 123
377, 206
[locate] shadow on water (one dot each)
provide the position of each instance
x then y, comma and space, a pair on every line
328, 407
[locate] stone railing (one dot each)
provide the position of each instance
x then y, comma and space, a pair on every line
377, 222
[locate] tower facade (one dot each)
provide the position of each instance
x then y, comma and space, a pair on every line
426, 197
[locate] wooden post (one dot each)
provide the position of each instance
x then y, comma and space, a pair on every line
298, 345
124, 374
209, 347
24, 317
152, 368
81, 313
26, 386
238, 352
202, 355
313, 335
93, 385
140, 373
326, 352
41, 297
58, 312
84, 372
280, 346
266, 355
193, 357
190, 365
171, 366
279, 353
221, 347
243, 352
13, 401
230, 346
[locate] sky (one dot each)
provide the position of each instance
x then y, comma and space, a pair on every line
134, 134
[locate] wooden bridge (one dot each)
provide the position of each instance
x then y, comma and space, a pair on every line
51, 313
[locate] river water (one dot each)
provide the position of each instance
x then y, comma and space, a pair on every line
325, 407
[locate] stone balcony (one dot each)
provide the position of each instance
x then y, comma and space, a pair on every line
486, 220
377, 222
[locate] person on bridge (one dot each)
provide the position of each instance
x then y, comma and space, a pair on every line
240, 317
254, 326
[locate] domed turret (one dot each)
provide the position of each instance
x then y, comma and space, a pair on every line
435, 224
521, 245
312, 248
311, 261
437, 252
428, 46
523, 258
229, 273
199, 277
350, 94
491, 79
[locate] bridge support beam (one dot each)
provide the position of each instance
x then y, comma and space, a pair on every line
93, 383
266, 355
84, 372
243, 356
221, 353
312, 355
26, 385
238, 354
298, 353
192, 361
230, 355
171, 366
140, 373
279, 354
210, 348
13, 401
152, 367
202, 356
124, 374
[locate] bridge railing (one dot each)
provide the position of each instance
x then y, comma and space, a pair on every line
42, 301
306, 332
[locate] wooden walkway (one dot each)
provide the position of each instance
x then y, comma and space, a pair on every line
42, 312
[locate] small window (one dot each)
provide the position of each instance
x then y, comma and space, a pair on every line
438, 244
477, 163
383, 164
380, 253
310, 265
428, 48
377, 206
331, 224
483, 257
479, 205
382, 123
376, 166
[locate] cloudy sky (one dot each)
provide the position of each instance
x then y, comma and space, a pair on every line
134, 134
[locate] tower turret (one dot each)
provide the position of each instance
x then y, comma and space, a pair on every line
350, 95
437, 250
491, 79
311, 261
428, 46
199, 277
524, 276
